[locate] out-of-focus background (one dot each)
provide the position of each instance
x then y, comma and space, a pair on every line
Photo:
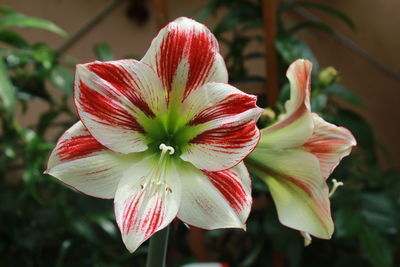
354, 47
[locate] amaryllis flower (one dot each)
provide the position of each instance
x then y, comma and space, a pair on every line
296, 155
164, 136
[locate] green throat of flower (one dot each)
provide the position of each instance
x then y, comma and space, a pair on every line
170, 129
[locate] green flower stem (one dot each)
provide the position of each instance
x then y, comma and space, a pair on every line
158, 249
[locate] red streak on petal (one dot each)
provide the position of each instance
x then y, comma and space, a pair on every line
107, 109
228, 136
131, 212
231, 105
201, 57
125, 84
227, 183
77, 147
325, 146
154, 217
170, 55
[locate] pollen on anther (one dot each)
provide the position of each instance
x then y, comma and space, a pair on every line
168, 189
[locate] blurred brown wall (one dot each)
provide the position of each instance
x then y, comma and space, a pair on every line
377, 32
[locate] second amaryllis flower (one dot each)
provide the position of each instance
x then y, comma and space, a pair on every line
164, 136
296, 155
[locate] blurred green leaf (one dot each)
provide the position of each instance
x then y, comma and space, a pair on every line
62, 79
20, 20
292, 48
380, 212
103, 52
338, 90
44, 54
348, 222
7, 90
6, 11
318, 103
13, 39
376, 248
311, 24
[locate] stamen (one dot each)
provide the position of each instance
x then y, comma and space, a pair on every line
156, 176
336, 184
164, 148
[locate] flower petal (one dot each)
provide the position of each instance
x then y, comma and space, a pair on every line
144, 206
212, 200
297, 187
185, 55
81, 162
116, 99
223, 126
296, 126
329, 144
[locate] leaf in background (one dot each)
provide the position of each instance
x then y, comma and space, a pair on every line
20, 20
337, 89
43, 54
348, 222
311, 24
325, 8
62, 79
292, 48
376, 248
6, 10
206, 11
13, 39
7, 89
318, 103
379, 212
103, 52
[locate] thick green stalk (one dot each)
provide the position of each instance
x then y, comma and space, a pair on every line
158, 249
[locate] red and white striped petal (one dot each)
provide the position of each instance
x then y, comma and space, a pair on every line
223, 125
81, 162
296, 125
299, 191
212, 200
115, 99
144, 205
185, 55
329, 143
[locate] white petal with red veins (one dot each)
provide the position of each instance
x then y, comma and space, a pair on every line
297, 188
212, 200
185, 55
144, 205
296, 125
86, 165
223, 121
329, 143
116, 99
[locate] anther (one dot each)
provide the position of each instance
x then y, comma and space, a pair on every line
336, 184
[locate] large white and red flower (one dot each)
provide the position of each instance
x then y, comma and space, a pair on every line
164, 136
296, 155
